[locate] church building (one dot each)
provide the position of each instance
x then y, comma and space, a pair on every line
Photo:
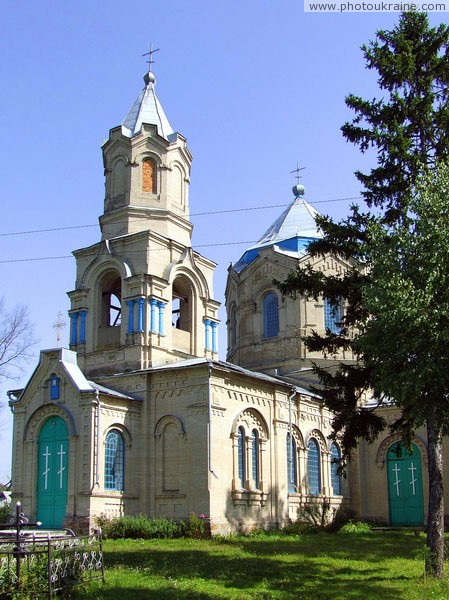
139, 415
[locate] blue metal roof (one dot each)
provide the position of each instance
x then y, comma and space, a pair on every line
290, 234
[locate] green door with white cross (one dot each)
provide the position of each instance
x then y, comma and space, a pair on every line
405, 493
53, 446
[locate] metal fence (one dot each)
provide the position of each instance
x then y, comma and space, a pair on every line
41, 566
37, 564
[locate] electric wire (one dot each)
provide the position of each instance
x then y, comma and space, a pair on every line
208, 213
200, 214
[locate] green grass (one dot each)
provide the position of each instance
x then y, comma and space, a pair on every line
375, 565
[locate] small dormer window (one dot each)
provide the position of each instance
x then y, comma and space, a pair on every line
149, 176
54, 387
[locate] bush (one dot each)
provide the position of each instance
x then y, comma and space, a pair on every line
5, 513
139, 527
343, 515
355, 527
195, 527
300, 528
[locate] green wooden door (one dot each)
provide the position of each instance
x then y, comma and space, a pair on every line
405, 493
53, 446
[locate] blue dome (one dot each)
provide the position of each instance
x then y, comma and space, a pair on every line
291, 233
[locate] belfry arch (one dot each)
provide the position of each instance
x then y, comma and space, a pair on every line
110, 308
182, 304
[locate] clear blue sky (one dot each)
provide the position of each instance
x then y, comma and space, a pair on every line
255, 85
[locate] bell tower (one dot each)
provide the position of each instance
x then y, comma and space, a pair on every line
147, 173
143, 296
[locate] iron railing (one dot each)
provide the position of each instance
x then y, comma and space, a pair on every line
40, 563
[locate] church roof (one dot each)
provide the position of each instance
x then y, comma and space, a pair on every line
290, 234
147, 109
194, 362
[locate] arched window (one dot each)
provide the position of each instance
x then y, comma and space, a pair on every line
335, 475
313, 467
54, 387
241, 456
292, 464
149, 180
255, 458
270, 315
333, 315
114, 462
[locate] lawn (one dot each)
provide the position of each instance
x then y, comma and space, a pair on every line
378, 565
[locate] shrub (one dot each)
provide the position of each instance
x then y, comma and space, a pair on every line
5, 513
138, 526
343, 515
300, 528
355, 527
195, 527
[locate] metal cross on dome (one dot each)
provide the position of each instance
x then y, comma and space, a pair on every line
297, 171
150, 60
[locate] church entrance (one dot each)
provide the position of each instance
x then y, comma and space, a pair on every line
53, 445
405, 495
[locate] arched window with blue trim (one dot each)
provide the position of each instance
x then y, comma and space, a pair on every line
313, 467
335, 475
270, 315
292, 464
333, 315
54, 387
255, 457
114, 464
241, 447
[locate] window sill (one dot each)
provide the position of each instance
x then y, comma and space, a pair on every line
244, 497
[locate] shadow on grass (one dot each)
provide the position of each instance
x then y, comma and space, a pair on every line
271, 569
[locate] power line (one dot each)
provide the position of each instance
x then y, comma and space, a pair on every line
17, 260
200, 214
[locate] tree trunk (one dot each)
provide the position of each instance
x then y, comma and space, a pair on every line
435, 519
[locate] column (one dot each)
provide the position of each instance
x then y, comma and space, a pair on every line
153, 320
130, 304
83, 314
161, 306
141, 303
74, 328
207, 334
214, 325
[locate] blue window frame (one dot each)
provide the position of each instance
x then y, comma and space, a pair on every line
54, 387
270, 315
241, 449
292, 465
255, 457
333, 316
313, 467
114, 468
335, 475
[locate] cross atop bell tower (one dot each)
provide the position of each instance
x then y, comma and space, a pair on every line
150, 60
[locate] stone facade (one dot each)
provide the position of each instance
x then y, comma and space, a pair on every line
139, 415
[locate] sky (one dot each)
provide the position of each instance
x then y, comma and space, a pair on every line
256, 86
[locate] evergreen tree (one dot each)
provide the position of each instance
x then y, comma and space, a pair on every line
408, 128
405, 341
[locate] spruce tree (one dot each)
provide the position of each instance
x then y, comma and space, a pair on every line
408, 129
